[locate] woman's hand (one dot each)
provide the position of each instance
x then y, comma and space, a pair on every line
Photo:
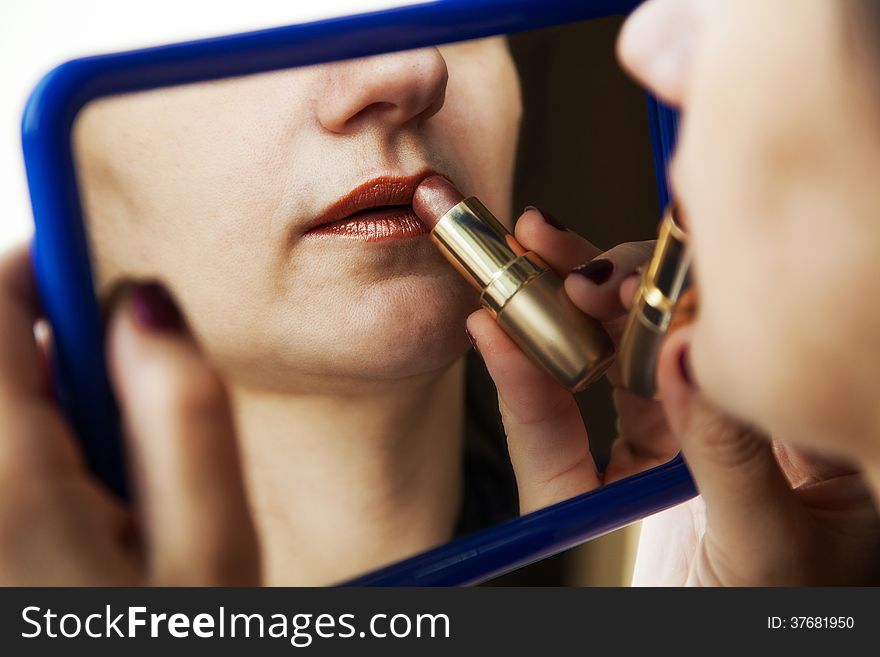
768, 514
189, 524
547, 440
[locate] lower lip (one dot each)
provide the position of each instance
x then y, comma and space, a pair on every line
377, 226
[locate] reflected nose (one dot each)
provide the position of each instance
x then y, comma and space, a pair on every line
393, 90
657, 42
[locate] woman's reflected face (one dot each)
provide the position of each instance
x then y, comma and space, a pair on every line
776, 170
274, 207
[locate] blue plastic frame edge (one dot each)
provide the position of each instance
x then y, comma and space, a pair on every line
61, 262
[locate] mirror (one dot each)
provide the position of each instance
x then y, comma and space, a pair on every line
369, 431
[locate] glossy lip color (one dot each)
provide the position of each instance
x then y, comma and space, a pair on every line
376, 211
63, 271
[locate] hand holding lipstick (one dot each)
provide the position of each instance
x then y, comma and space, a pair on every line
547, 439
561, 344
521, 292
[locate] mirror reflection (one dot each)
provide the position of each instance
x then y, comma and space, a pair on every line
276, 210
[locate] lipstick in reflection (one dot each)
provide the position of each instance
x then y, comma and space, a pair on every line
523, 294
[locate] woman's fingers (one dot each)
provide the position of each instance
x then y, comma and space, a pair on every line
19, 311
749, 503
592, 278
187, 479
33, 436
644, 439
46, 496
560, 248
595, 287
627, 291
546, 436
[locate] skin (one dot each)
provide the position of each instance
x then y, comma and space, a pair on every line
776, 176
774, 409
802, 505
57, 524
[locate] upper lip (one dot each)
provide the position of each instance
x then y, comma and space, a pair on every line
383, 191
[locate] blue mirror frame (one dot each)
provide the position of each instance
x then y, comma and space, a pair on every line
63, 272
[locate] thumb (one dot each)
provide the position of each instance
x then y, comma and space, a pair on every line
749, 503
547, 441
186, 478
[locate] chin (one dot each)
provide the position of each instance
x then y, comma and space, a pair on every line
404, 327
343, 330
412, 327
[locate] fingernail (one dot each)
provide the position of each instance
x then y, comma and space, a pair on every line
598, 271
473, 342
685, 368
154, 309
546, 216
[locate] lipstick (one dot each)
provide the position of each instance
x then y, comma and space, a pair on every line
656, 306
522, 293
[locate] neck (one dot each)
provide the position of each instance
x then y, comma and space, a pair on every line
341, 484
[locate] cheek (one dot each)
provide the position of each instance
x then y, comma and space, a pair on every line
749, 257
784, 337
727, 352
481, 121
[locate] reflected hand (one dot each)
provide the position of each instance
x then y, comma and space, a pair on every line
769, 514
547, 439
190, 523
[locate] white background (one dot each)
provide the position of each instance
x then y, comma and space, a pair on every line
36, 35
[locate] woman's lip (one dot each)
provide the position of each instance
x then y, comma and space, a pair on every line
385, 194
375, 225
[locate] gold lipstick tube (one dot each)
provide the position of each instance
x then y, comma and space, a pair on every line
524, 295
660, 288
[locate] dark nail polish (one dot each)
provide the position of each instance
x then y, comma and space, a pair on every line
549, 218
598, 271
154, 309
685, 368
473, 342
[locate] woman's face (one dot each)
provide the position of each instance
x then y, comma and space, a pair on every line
776, 172
215, 190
